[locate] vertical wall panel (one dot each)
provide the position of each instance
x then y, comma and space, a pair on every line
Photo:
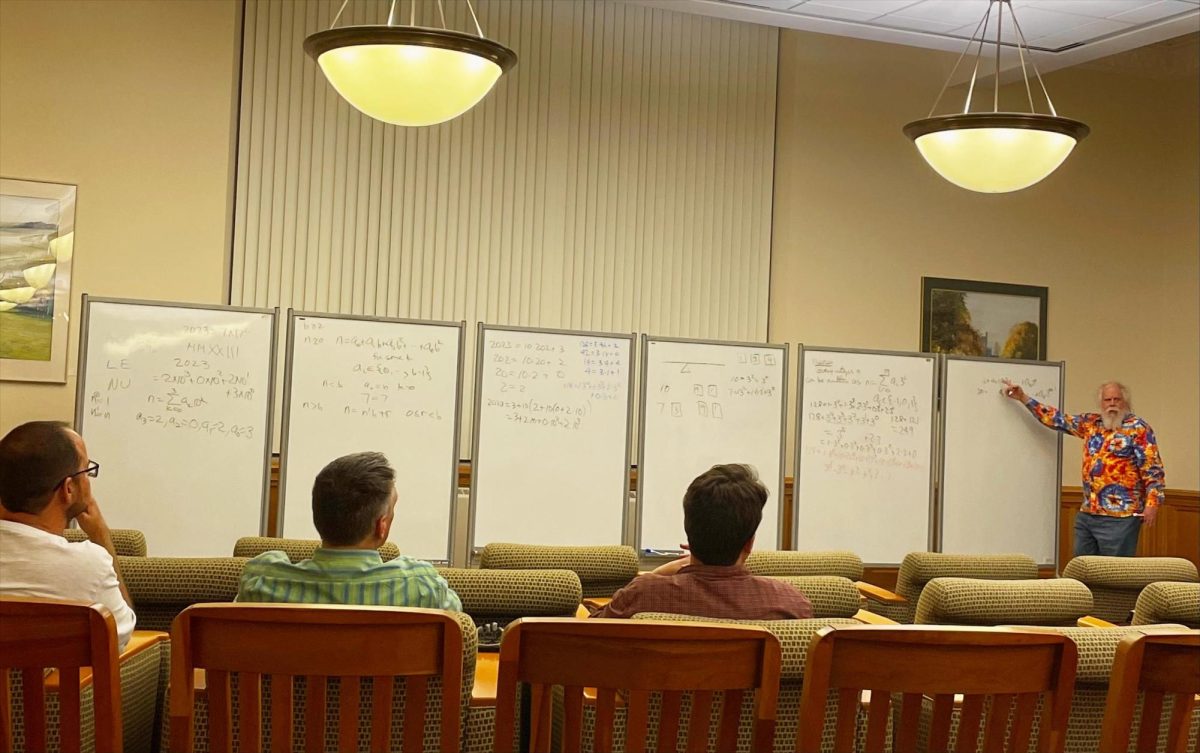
618, 178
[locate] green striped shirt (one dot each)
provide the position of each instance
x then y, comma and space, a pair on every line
346, 576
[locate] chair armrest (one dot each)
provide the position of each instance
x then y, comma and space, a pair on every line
138, 642
870, 618
581, 612
872, 591
1093, 622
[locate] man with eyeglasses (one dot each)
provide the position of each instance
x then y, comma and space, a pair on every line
45, 481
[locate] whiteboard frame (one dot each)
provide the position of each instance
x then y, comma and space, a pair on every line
785, 348
1062, 391
461, 326
933, 511
81, 377
481, 328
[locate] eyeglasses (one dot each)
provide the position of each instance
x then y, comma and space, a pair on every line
93, 470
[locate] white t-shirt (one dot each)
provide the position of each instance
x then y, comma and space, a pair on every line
43, 565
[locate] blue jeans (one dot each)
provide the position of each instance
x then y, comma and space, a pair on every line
1101, 534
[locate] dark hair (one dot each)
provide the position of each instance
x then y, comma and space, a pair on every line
721, 511
349, 495
34, 459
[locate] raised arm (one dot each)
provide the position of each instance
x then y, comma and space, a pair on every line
1048, 415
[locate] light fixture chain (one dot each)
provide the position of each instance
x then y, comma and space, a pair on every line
978, 57
999, 38
412, 13
1032, 62
954, 70
392, 14
442, 13
339, 13
478, 28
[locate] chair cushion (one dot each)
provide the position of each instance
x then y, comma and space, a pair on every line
971, 601
602, 570
1129, 573
831, 595
836, 562
127, 542
1168, 602
295, 549
504, 595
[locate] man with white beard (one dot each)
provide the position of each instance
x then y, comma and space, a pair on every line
1122, 470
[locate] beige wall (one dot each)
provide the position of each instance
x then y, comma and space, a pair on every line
859, 219
133, 102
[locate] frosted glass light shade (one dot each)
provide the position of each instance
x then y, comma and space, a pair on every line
995, 152
407, 75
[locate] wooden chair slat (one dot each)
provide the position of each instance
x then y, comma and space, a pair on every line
731, 716
416, 698
1023, 721
35, 705
606, 707
250, 712
904, 739
348, 705
969, 722
1152, 705
381, 713
314, 712
1180, 724
540, 710
637, 721
220, 712
939, 728
698, 725
668, 723
997, 723
281, 713
70, 737
572, 717
6, 743
847, 718
877, 718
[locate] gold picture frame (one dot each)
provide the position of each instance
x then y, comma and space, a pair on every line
37, 238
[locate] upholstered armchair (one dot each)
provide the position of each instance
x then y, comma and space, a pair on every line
602, 570
1116, 582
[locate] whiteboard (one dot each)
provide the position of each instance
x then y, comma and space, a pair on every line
354, 384
1000, 466
174, 402
551, 454
864, 453
706, 403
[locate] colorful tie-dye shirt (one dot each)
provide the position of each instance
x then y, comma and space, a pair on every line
1122, 472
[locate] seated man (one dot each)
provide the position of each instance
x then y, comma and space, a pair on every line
721, 512
354, 501
44, 483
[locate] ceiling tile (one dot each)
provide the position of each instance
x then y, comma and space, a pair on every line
1037, 23
917, 24
1079, 34
1090, 8
770, 4
843, 12
875, 7
1149, 12
958, 12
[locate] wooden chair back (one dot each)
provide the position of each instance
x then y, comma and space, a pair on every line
1163, 667
625, 662
36, 634
999, 675
316, 642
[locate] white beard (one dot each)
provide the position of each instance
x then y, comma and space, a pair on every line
1113, 419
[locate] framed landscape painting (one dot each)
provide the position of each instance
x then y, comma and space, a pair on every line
37, 226
971, 318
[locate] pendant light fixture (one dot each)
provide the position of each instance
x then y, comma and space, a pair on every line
409, 75
996, 152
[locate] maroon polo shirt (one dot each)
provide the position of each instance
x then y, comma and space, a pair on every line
728, 592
